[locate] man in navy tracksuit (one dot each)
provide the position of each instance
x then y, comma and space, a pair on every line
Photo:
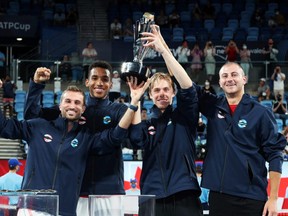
120, 132
58, 149
241, 137
100, 114
168, 139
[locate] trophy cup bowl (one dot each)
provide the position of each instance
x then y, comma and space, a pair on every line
136, 68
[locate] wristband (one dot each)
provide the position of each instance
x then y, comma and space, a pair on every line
132, 107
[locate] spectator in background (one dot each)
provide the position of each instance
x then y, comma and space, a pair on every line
197, 12
143, 113
209, 10
258, 17
285, 133
115, 91
2, 65
76, 68
270, 53
133, 188
8, 95
174, 19
279, 18
183, 52
89, 56
208, 87
59, 17
12, 181
210, 62
196, 65
280, 109
232, 51
204, 192
245, 60
72, 16
263, 90
278, 82
162, 19
128, 27
65, 68
115, 29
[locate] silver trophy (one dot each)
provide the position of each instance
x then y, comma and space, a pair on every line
136, 68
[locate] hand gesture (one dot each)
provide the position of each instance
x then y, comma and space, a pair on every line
42, 74
154, 39
137, 91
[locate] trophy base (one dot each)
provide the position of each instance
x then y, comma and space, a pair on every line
134, 69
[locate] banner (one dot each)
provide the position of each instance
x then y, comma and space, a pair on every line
18, 26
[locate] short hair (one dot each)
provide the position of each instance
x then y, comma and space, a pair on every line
73, 88
161, 76
100, 64
230, 63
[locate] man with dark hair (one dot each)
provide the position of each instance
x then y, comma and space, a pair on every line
71, 105
100, 114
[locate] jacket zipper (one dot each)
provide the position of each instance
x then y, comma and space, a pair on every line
162, 172
57, 161
225, 159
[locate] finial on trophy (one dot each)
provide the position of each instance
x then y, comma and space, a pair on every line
136, 67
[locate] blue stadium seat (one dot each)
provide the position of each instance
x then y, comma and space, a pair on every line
267, 103
169, 8
209, 24
20, 96
227, 8
264, 34
20, 116
272, 6
244, 24
47, 97
240, 35
166, 33
216, 34
58, 97
269, 14
217, 7
233, 23
128, 38
279, 124
19, 107
227, 34
202, 35
185, 16
148, 104
252, 34
137, 15
178, 34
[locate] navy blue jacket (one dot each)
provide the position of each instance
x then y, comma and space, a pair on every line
57, 158
238, 146
169, 149
100, 114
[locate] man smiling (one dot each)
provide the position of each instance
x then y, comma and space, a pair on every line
242, 136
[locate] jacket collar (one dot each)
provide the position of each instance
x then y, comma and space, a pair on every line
223, 104
62, 123
92, 101
156, 113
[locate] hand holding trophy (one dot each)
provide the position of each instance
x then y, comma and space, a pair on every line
136, 68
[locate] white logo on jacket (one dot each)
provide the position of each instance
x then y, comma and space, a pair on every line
48, 138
